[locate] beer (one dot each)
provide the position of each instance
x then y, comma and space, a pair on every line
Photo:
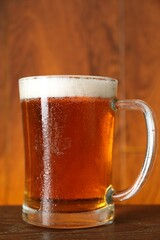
68, 150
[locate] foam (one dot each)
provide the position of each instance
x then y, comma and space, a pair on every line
67, 86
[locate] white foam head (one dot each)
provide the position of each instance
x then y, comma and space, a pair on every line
67, 86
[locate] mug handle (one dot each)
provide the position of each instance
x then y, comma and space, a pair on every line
150, 151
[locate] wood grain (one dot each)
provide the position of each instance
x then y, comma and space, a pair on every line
142, 57
116, 38
140, 221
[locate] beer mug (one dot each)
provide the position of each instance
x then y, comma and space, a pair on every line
68, 124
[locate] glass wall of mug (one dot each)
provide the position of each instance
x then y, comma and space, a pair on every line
68, 124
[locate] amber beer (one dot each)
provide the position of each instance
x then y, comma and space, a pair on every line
68, 149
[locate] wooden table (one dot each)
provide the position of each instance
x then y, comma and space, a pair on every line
132, 222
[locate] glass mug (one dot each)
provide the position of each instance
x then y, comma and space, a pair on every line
68, 124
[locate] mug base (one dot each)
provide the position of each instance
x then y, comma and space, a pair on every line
86, 219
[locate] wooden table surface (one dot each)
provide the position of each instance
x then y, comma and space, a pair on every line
132, 222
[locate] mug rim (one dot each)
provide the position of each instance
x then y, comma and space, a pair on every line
82, 77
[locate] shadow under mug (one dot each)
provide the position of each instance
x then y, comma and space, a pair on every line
68, 124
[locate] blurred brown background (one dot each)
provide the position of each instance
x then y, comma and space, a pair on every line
116, 38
